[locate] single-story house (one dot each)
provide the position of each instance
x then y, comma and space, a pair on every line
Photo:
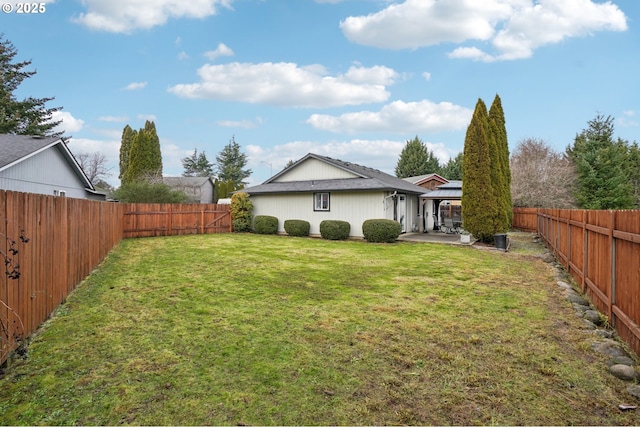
198, 189
42, 165
317, 188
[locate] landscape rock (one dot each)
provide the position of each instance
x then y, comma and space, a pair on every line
593, 316
547, 257
604, 333
634, 390
580, 308
621, 360
575, 298
609, 348
564, 285
624, 372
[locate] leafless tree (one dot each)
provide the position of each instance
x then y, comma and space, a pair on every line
94, 166
541, 177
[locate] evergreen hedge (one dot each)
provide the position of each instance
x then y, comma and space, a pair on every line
334, 229
265, 224
381, 230
297, 227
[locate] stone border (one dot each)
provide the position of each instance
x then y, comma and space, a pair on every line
622, 363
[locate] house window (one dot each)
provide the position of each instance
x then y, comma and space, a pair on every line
320, 201
59, 193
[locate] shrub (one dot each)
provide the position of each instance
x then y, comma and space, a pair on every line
265, 224
381, 230
241, 212
297, 227
334, 229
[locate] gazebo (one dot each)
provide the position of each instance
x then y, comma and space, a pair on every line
444, 202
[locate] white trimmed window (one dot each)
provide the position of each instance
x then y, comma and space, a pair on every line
321, 201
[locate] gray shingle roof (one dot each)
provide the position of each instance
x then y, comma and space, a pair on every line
16, 147
369, 179
185, 181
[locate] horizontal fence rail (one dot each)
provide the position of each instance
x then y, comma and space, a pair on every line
601, 251
51, 244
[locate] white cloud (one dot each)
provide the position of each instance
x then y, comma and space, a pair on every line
150, 117
426, 75
398, 117
125, 16
513, 27
246, 124
69, 123
136, 86
287, 84
629, 119
113, 119
183, 55
221, 50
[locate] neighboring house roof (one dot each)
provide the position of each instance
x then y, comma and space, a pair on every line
17, 148
366, 179
417, 180
449, 191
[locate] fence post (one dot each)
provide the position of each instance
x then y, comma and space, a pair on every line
612, 242
585, 267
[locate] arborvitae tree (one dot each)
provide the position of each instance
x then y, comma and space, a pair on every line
29, 116
452, 170
500, 172
155, 153
223, 189
603, 179
230, 163
478, 201
416, 159
128, 135
197, 165
144, 158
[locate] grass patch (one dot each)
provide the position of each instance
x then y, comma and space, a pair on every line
247, 329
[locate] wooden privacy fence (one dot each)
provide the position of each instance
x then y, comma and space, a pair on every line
601, 251
146, 220
525, 219
50, 244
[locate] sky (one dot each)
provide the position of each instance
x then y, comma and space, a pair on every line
349, 79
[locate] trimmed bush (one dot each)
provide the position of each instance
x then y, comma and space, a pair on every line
265, 224
381, 230
335, 229
297, 227
241, 212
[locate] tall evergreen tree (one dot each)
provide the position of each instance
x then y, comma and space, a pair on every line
452, 170
416, 159
479, 209
603, 179
500, 170
128, 135
230, 164
144, 159
29, 116
197, 165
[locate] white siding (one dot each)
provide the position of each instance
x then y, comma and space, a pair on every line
352, 207
42, 174
312, 169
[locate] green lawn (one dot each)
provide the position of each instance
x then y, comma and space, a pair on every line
247, 329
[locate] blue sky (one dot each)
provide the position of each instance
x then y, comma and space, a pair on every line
350, 79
